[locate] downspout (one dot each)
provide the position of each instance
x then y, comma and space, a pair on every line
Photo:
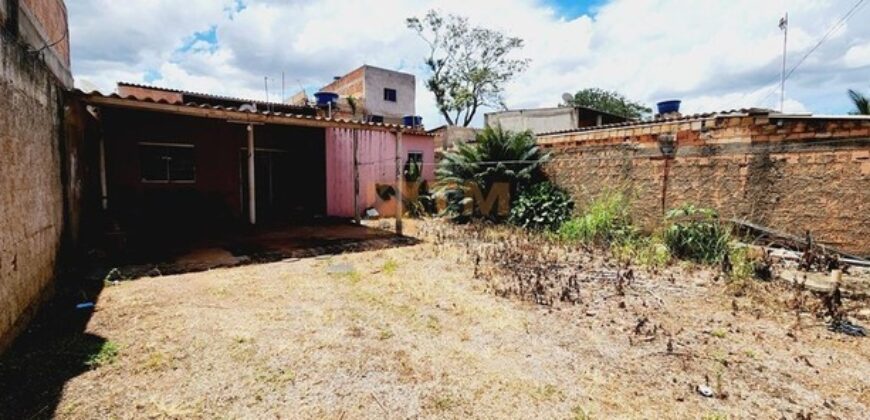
668, 148
252, 187
665, 184
104, 189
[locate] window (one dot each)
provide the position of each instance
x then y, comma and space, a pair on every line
413, 166
167, 162
416, 157
377, 118
390, 95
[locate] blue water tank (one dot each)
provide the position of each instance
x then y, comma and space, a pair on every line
666, 107
326, 98
412, 120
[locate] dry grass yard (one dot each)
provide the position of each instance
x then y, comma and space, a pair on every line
410, 333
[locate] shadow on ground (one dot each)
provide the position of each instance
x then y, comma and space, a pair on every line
56, 347
162, 255
53, 350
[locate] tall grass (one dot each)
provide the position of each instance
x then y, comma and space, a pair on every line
606, 220
646, 251
696, 234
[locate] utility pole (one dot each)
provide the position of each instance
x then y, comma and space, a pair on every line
783, 25
266, 85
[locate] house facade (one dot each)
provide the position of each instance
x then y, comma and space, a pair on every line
171, 166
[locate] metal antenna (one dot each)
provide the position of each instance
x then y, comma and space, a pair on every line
283, 95
783, 25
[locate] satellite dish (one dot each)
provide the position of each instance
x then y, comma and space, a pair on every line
567, 97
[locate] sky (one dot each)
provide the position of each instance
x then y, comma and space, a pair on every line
713, 55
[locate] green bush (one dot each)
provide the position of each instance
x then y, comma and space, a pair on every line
605, 221
696, 234
497, 157
542, 206
417, 199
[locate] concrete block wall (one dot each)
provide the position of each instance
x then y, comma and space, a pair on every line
31, 192
791, 174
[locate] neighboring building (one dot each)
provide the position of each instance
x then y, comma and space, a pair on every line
543, 120
191, 167
380, 95
794, 173
448, 135
38, 193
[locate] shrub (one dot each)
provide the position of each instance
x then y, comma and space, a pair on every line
542, 206
696, 234
742, 263
642, 250
417, 200
496, 157
605, 221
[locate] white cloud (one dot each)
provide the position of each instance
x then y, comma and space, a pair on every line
858, 55
713, 55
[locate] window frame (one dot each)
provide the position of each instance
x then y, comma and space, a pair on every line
169, 179
395, 95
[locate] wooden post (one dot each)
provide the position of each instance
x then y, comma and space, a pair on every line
252, 187
400, 184
356, 213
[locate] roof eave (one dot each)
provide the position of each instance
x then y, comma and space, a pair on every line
235, 115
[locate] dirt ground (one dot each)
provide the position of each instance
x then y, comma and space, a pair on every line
411, 332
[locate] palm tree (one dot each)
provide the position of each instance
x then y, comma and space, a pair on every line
497, 156
862, 103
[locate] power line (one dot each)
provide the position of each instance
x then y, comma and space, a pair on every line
851, 12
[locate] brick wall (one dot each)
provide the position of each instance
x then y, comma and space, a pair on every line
351, 84
794, 174
31, 195
51, 16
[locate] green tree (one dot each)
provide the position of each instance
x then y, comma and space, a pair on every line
499, 161
609, 101
469, 65
862, 103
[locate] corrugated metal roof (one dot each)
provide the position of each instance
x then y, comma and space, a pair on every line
337, 121
205, 95
729, 113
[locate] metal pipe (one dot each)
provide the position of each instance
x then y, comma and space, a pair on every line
252, 187
104, 189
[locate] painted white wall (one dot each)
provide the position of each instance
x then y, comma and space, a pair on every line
376, 80
543, 120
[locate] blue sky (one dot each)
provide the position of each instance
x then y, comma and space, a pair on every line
712, 54
572, 9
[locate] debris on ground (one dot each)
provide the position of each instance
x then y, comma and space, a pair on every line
846, 327
705, 391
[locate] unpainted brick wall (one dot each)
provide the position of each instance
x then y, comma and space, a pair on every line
794, 175
31, 198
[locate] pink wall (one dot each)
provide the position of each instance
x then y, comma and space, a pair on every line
377, 165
